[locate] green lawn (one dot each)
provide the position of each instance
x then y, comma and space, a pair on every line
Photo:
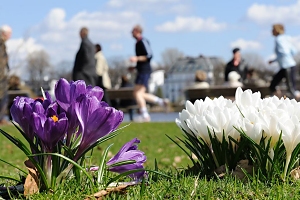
169, 157
154, 143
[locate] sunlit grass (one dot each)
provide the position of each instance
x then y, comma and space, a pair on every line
169, 157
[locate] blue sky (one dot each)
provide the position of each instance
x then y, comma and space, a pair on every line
194, 27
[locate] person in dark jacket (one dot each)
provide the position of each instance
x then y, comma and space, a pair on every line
85, 62
5, 34
236, 64
142, 58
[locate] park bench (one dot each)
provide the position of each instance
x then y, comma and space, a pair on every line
12, 94
121, 93
216, 91
126, 93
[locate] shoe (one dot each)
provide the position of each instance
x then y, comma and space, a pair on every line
166, 105
141, 119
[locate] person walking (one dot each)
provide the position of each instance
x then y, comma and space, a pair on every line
85, 62
284, 51
142, 59
5, 34
102, 71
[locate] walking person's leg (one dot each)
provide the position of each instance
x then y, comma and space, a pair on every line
138, 92
142, 97
276, 80
290, 81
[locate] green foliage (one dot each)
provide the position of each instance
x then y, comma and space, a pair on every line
179, 186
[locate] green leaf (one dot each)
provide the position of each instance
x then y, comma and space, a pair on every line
10, 178
27, 152
143, 188
155, 177
101, 140
69, 160
102, 165
32, 145
14, 166
188, 154
126, 162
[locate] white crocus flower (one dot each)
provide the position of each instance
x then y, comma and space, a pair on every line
198, 125
190, 108
244, 99
253, 122
291, 138
182, 121
271, 127
223, 120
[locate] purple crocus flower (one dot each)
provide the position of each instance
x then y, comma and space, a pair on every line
50, 127
129, 152
21, 111
97, 119
66, 94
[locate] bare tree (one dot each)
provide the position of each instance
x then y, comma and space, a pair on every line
38, 66
117, 68
257, 63
170, 56
63, 69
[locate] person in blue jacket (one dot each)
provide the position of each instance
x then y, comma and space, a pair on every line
284, 51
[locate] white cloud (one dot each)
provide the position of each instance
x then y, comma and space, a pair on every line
191, 24
18, 50
266, 14
122, 3
156, 6
61, 36
116, 47
22, 46
296, 42
180, 8
246, 44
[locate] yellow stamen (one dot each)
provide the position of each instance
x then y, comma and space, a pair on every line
55, 118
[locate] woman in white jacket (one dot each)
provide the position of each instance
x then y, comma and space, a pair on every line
102, 71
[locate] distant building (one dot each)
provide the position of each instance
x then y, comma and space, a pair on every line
156, 80
182, 75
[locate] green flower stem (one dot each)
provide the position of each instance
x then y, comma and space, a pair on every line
215, 159
288, 159
48, 168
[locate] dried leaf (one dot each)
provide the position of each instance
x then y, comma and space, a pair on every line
99, 195
295, 173
31, 185
119, 188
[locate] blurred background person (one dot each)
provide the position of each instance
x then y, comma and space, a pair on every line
237, 64
14, 82
253, 80
233, 80
142, 59
85, 62
5, 34
284, 51
200, 79
103, 80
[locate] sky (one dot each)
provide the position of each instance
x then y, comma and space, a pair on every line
194, 27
